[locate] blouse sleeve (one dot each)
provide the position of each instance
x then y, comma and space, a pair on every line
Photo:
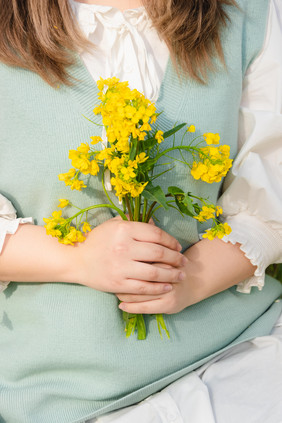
252, 192
9, 224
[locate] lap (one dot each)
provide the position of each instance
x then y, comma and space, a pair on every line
242, 384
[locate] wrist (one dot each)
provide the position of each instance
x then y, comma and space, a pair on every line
214, 266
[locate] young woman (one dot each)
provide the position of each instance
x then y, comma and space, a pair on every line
63, 354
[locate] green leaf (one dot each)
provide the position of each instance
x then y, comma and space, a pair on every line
182, 200
153, 193
141, 328
182, 207
188, 203
197, 208
130, 323
148, 164
148, 143
173, 130
134, 322
175, 191
162, 325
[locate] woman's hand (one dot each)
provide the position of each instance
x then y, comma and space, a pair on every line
117, 257
212, 267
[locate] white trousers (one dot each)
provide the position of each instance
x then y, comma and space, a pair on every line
241, 385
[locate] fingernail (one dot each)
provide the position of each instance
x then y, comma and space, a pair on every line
167, 288
179, 246
181, 276
121, 306
184, 260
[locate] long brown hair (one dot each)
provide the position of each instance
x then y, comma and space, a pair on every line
41, 35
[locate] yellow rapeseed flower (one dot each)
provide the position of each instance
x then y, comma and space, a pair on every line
191, 128
213, 165
125, 113
145, 127
72, 237
80, 161
207, 212
218, 210
96, 140
86, 227
141, 158
198, 170
55, 224
66, 177
83, 148
127, 173
77, 185
63, 202
93, 168
211, 138
219, 231
159, 136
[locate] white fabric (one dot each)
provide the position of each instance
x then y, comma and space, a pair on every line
8, 225
242, 385
128, 47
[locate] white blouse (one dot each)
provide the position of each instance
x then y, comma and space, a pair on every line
127, 46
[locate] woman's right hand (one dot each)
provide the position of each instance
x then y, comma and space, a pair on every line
118, 257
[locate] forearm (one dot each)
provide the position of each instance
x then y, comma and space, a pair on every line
31, 256
115, 257
214, 266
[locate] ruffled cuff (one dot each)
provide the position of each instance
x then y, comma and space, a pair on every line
9, 226
261, 243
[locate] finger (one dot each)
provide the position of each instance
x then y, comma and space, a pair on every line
163, 265
150, 252
131, 298
150, 273
141, 288
147, 307
150, 233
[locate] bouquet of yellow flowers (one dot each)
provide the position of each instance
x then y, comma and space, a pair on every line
130, 157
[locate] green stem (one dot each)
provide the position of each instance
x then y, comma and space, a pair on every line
137, 209
153, 211
132, 205
128, 207
95, 123
96, 206
148, 215
144, 210
180, 147
203, 200
124, 205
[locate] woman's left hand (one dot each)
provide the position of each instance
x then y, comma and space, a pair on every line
212, 267
169, 302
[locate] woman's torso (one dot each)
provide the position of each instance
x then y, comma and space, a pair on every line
65, 354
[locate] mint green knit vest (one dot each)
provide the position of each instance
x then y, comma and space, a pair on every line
64, 355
